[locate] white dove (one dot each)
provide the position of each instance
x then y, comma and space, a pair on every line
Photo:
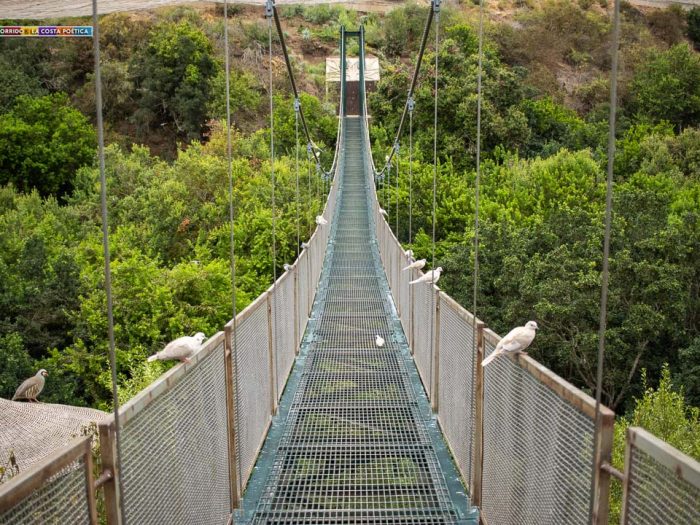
431, 277
181, 348
320, 220
415, 264
383, 212
304, 245
379, 341
517, 340
287, 267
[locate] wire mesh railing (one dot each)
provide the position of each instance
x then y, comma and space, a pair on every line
56, 490
661, 484
174, 462
537, 443
522, 437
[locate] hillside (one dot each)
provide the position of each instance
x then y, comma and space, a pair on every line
545, 111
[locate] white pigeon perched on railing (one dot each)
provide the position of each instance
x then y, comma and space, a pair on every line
287, 267
415, 265
516, 341
379, 341
320, 220
181, 348
304, 245
431, 277
383, 212
32, 387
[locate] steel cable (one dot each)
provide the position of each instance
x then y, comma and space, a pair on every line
606, 255
477, 182
106, 251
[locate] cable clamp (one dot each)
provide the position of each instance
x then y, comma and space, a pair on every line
397, 147
411, 103
269, 8
297, 105
308, 147
436, 6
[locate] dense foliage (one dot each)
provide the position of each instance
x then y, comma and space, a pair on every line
542, 197
43, 141
544, 133
171, 275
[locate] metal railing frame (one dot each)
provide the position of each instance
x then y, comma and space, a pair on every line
21, 487
683, 466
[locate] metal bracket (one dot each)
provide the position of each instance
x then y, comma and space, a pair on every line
269, 8
436, 6
397, 147
411, 104
297, 105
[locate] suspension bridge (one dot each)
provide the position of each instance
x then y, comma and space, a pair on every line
292, 414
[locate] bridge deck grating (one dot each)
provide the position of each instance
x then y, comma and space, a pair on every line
356, 445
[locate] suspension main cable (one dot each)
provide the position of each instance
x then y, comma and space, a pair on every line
605, 274
434, 9
270, 5
477, 182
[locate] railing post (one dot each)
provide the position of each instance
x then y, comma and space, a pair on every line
629, 443
90, 482
271, 355
111, 486
478, 430
601, 497
234, 489
435, 381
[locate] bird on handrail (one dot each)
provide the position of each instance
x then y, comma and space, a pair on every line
304, 245
287, 267
181, 348
32, 387
516, 341
430, 277
321, 220
415, 265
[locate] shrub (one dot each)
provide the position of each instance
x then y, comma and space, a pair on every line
694, 26
43, 142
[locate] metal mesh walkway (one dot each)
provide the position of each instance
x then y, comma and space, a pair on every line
356, 442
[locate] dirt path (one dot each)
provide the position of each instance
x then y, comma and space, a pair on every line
46, 9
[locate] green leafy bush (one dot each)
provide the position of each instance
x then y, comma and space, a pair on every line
172, 73
694, 26
43, 141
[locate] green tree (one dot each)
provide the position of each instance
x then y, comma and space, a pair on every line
173, 72
663, 412
15, 364
667, 87
694, 26
43, 141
